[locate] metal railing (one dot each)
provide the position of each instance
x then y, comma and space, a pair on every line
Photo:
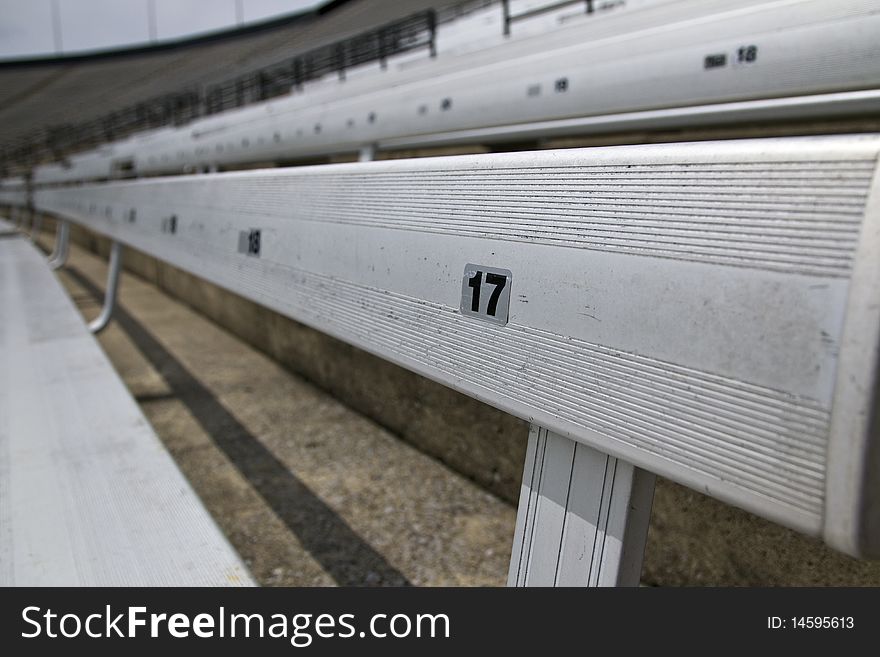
55, 142
730, 388
413, 32
511, 18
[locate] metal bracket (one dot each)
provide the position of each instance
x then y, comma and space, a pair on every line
583, 516
58, 257
101, 321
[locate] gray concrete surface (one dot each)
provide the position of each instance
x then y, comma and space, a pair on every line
693, 540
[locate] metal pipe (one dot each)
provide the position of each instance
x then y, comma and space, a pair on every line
432, 28
62, 246
101, 321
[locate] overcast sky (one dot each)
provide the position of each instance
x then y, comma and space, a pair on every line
27, 26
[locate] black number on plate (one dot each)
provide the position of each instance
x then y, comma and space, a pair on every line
475, 283
747, 54
715, 61
169, 224
485, 293
254, 242
499, 282
249, 242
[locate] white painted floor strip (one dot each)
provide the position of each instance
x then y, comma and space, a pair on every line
88, 493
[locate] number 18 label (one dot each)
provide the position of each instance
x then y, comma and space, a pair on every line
485, 293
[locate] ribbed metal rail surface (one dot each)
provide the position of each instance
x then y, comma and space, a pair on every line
677, 306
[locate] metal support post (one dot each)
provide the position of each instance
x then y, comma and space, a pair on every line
583, 516
101, 321
62, 245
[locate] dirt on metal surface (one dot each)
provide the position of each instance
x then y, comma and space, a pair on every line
313, 493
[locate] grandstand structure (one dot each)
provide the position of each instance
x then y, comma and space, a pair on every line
174, 83
283, 97
138, 145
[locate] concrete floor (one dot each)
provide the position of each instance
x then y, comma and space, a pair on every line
309, 492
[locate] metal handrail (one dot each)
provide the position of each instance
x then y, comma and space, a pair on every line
413, 32
53, 143
511, 18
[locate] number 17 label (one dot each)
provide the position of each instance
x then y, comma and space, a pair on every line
485, 293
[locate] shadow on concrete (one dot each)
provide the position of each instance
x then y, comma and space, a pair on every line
344, 555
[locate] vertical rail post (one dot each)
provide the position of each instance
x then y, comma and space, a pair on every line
101, 321
298, 77
582, 519
432, 27
383, 62
62, 245
367, 153
341, 59
505, 8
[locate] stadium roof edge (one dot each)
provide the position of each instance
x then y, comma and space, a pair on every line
179, 43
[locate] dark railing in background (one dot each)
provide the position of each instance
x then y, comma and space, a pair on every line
508, 18
54, 143
413, 32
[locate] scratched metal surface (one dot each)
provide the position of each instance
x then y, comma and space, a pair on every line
677, 306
